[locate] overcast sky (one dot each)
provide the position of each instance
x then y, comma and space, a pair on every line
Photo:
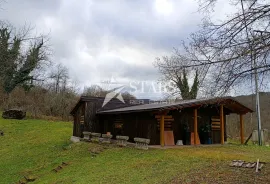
99, 39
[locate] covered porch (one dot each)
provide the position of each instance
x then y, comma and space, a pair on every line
193, 122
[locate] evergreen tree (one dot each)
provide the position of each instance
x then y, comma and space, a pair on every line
183, 86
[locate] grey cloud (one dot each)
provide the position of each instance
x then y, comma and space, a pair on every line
138, 22
85, 33
120, 69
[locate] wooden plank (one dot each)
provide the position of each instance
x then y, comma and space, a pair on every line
169, 125
221, 125
166, 123
218, 127
192, 142
159, 116
248, 138
195, 125
166, 119
241, 128
169, 138
162, 131
215, 119
216, 123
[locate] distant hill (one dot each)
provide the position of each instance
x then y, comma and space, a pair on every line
250, 120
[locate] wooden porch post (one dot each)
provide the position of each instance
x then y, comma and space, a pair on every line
195, 126
241, 128
221, 125
162, 130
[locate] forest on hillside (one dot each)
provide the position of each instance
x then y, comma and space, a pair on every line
250, 119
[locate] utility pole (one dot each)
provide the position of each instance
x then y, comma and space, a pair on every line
253, 59
257, 92
258, 110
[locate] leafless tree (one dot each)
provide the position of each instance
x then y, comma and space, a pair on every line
172, 69
97, 91
235, 48
59, 76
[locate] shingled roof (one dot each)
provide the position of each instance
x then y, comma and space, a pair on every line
229, 102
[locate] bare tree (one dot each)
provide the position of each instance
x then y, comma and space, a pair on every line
97, 91
237, 47
59, 76
173, 69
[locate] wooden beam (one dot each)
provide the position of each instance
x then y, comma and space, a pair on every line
241, 128
221, 113
162, 130
166, 119
195, 126
168, 116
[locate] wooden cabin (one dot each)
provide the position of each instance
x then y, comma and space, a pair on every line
197, 121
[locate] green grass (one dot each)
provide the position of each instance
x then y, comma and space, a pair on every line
36, 147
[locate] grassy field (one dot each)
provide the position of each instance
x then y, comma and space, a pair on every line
35, 147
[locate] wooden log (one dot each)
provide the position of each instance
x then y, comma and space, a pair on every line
166, 125
169, 119
248, 138
166, 122
195, 126
241, 128
257, 165
159, 116
162, 131
221, 125
215, 127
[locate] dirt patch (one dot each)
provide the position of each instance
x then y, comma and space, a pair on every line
96, 150
27, 179
222, 173
60, 167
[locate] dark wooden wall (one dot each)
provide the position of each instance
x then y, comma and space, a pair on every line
140, 124
77, 124
91, 119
